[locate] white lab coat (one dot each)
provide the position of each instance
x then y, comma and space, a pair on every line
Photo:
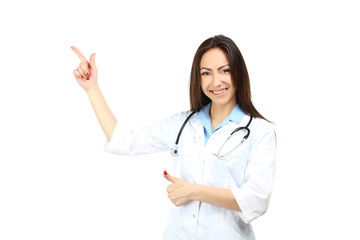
248, 171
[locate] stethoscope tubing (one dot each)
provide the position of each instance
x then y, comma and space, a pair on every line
175, 150
182, 127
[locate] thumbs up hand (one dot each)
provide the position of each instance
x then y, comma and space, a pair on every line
179, 191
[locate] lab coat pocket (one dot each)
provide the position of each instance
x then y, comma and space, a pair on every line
236, 225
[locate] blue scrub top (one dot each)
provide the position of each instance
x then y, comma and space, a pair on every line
204, 115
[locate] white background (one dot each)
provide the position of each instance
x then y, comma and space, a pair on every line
57, 183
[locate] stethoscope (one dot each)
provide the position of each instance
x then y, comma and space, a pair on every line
175, 149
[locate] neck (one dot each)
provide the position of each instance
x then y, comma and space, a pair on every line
219, 113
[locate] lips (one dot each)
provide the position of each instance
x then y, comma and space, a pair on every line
219, 91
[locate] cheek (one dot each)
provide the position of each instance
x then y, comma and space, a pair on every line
203, 84
230, 81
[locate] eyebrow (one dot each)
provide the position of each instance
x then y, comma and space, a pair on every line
209, 69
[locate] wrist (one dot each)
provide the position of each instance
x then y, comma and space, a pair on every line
93, 89
196, 192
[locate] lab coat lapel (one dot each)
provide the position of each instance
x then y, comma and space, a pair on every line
198, 130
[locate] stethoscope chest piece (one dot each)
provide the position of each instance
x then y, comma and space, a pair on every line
175, 151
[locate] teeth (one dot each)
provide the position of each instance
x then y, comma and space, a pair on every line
218, 92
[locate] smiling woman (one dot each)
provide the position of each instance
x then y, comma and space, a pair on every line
224, 170
217, 85
216, 54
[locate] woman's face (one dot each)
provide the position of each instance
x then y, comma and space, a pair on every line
216, 82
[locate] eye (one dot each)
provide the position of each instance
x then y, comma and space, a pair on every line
205, 73
227, 70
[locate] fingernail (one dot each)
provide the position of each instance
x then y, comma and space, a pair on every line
165, 172
88, 75
82, 76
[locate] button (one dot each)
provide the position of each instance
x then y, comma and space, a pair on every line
194, 215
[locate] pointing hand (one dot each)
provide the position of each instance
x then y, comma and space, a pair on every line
86, 73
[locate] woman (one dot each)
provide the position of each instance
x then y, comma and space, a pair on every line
223, 177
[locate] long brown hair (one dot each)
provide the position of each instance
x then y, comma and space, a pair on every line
238, 71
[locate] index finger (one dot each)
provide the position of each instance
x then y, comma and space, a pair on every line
79, 54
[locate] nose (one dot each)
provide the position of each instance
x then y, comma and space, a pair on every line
216, 79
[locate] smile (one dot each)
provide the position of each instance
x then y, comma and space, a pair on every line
218, 92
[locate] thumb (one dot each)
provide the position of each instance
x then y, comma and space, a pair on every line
169, 177
92, 61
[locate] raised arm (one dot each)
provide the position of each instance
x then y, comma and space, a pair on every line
86, 76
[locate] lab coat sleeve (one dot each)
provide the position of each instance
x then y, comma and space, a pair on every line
156, 137
254, 195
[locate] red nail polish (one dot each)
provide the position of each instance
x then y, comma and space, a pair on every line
82, 77
88, 75
165, 172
